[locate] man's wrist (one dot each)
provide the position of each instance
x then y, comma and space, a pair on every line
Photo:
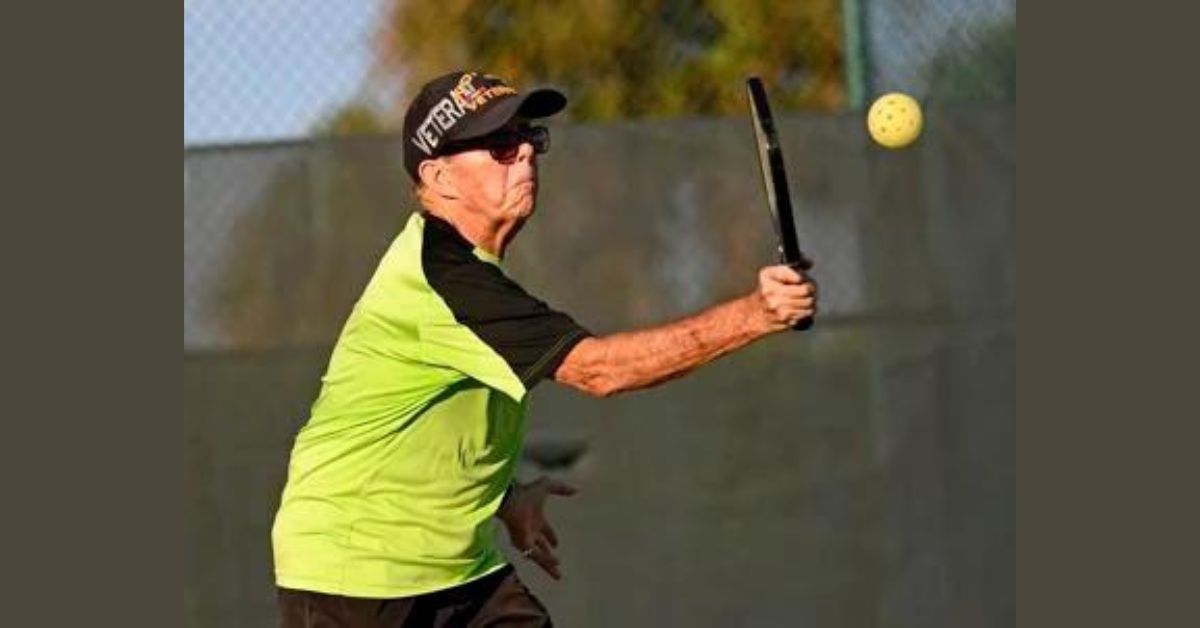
759, 322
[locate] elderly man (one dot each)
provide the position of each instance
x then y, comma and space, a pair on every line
411, 446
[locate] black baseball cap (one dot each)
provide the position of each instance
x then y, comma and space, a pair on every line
466, 105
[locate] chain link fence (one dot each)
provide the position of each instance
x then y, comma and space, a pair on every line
860, 474
263, 70
943, 51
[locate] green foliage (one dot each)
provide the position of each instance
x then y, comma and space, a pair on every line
352, 119
627, 58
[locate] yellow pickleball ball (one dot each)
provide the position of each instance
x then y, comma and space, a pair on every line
894, 120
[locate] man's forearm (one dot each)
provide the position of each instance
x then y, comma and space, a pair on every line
638, 359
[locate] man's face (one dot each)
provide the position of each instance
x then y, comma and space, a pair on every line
501, 182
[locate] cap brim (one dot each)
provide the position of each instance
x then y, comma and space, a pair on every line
542, 103
537, 103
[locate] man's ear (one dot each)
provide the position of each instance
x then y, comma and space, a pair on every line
437, 178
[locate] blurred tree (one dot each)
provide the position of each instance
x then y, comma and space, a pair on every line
352, 119
623, 58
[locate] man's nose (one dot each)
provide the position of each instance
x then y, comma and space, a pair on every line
525, 152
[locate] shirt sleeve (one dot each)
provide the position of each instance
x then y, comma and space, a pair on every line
531, 338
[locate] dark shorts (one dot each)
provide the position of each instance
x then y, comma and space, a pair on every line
498, 599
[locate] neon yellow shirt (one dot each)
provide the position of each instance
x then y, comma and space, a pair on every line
394, 479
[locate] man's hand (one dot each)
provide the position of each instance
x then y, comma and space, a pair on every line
785, 296
522, 513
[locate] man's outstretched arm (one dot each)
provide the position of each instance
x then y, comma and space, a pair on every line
644, 358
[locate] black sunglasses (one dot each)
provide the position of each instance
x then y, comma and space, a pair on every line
505, 143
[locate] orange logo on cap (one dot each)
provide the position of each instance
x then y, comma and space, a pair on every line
467, 96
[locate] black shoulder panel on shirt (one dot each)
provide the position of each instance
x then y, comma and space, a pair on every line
532, 338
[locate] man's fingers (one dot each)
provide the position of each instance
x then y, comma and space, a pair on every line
791, 301
554, 487
806, 286
552, 570
791, 311
540, 546
547, 561
797, 300
781, 274
524, 541
550, 535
